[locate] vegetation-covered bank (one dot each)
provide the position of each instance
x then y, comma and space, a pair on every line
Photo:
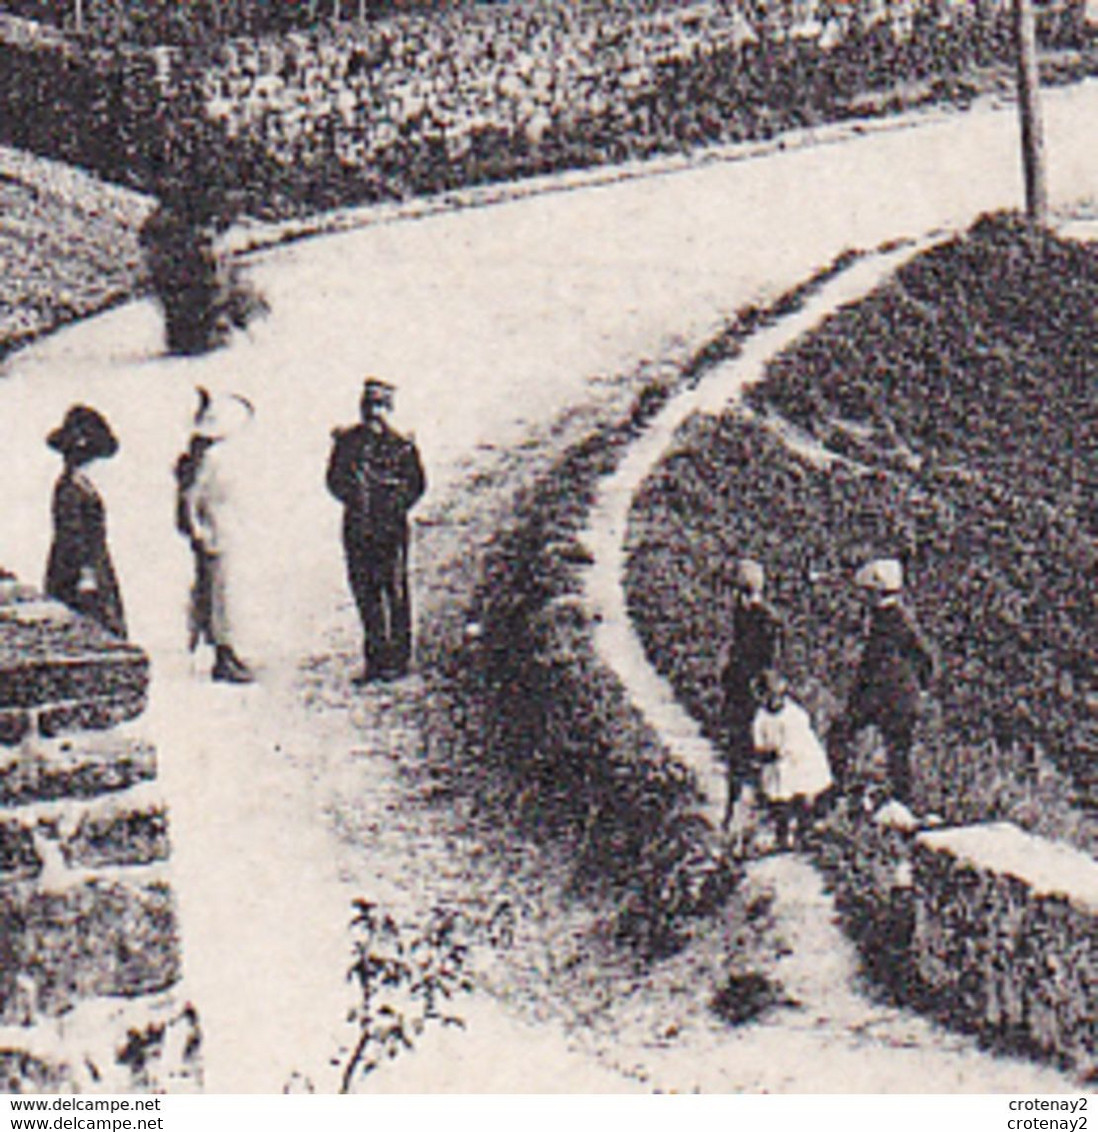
421, 103
961, 398
68, 246
556, 747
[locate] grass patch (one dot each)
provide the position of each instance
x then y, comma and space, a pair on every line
962, 396
560, 750
68, 247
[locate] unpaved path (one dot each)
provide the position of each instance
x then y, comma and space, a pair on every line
827, 1035
616, 640
493, 322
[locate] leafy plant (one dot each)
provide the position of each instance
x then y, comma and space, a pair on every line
406, 978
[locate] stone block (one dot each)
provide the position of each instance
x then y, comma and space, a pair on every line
79, 766
100, 938
1044, 867
112, 674
1006, 937
118, 835
89, 715
49, 655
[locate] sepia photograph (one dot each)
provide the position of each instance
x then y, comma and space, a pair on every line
548, 547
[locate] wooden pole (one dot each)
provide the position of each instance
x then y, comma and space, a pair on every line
1029, 111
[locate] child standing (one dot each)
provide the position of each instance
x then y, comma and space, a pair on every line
795, 770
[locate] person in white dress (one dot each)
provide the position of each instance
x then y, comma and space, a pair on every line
206, 483
794, 768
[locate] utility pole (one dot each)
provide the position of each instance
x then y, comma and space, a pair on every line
1029, 111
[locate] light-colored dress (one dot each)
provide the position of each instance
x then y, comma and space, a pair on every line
801, 767
206, 501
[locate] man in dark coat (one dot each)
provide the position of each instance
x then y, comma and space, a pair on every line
754, 648
897, 664
378, 477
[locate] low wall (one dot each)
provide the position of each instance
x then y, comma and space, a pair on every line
988, 928
91, 106
416, 104
89, 945
1006, 937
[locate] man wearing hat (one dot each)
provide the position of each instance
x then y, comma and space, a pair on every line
897, 664
754, 648
378, 477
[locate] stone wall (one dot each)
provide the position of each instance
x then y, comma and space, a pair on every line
1006, 937
89, 945
415, 104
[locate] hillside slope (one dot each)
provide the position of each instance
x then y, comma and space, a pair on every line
68, 245
961, 397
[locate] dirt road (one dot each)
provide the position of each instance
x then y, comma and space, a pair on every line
492, 322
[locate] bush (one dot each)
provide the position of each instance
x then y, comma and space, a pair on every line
412, 104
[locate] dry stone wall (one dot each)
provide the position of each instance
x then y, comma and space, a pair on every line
89, 942
418, 103
1006, 936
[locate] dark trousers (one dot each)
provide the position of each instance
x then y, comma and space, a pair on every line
379, 582
739, 748
897, 733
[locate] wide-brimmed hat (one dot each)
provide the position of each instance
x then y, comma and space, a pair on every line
882, 575
221, 416
84, 432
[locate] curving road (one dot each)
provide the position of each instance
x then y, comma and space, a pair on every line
491, 321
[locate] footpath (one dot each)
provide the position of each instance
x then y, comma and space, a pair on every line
501, 326
828, 1034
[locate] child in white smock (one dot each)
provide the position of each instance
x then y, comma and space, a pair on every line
794, 769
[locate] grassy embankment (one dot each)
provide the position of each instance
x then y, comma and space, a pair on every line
68, 245
551, 743
961, 395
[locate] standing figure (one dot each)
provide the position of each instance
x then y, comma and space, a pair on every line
897, 664
79, 572
795, 771
378, 477
755, 644
203, 498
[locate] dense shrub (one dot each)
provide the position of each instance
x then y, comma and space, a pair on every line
960, 466
483, 93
